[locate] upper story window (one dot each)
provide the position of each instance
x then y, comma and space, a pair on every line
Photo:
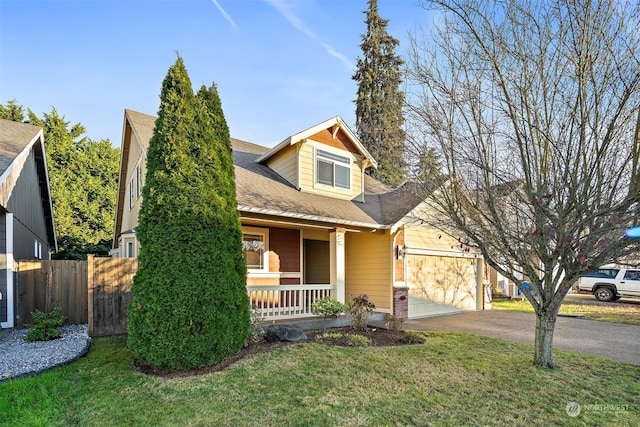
138, 181
333, 169
131, 194
135, 186
255, 248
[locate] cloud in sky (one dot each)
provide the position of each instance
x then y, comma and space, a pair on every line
286, 9
224, 13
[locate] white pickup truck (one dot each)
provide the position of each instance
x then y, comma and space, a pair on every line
611, 283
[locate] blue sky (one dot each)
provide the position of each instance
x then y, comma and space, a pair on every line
281, 66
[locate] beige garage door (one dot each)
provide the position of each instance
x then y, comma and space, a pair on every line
441, 284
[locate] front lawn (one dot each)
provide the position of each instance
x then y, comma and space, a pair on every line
606, 312
451, 379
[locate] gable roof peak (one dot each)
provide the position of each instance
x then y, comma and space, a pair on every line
333, 124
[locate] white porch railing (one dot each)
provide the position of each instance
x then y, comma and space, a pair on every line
286, 301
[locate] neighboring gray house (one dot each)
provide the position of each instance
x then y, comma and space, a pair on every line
26, 215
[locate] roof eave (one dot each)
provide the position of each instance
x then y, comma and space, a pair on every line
274, 150
315, 218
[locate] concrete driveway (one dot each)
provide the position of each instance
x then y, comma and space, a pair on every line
609, 340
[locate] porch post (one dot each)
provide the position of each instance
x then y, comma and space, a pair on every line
337, 262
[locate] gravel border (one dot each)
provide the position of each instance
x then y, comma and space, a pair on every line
19, 358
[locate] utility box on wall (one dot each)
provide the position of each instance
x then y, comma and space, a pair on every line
401, 303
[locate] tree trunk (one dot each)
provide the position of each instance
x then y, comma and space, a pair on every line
545, 324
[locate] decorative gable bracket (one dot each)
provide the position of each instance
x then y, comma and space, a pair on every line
334, 130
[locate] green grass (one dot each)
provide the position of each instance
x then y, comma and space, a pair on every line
450, 380
628, 314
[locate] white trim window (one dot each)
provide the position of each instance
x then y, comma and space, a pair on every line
131, 194
255, 248
333, 170
129, 252
138, 181
37, 249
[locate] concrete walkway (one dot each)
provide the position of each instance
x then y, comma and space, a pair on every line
612, 341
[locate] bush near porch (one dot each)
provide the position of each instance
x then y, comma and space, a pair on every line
451, 379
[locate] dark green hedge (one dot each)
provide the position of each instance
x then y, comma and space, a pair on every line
190, 308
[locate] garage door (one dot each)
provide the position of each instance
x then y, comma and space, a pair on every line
440, 284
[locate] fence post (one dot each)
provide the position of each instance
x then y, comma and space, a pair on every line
90, 319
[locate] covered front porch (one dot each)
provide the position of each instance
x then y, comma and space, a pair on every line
289, 266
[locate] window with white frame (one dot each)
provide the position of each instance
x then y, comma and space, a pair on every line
37, 249
333, 169
131, 194
138, 181
130, 253
255, 248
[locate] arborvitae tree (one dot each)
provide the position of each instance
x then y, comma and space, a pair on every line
190, 308
83, 179
379, 120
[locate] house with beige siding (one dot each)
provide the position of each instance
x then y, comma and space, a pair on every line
314, 224
26, 216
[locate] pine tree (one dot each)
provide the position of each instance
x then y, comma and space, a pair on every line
190, 308
379, 120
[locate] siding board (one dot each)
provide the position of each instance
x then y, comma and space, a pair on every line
285, 164
368, 268
26, 200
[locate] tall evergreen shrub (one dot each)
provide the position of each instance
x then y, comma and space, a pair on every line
189, 306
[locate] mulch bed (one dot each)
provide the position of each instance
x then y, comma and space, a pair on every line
378, 337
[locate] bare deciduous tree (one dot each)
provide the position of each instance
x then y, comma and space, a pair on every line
535, 107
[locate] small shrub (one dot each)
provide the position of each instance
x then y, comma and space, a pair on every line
45, 325
391, 322
328, 307
258, 330
329, 336
357, 340
360, 308
412, 337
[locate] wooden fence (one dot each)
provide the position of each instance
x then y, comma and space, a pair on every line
97, 292
71, 285
109, 288
44, 285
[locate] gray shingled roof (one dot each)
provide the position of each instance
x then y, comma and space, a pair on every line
262, 191
143, 125
14, 137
